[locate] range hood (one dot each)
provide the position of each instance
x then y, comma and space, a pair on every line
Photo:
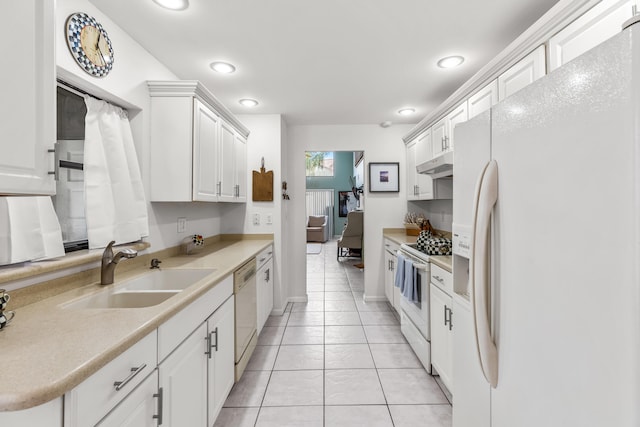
438, 167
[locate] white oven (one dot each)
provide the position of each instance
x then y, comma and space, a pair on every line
414, 316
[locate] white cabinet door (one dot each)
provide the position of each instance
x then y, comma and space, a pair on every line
183, 379
526, 71
138, 409
597, 25
264, 292
27, 104
439, 134
220, 376
388, 276
458, 115
423, 153
472, 392
227, 163
240, 153
441, 336
483, 99
412, 189
205, 153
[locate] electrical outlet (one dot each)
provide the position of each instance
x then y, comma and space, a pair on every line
256, 219
269, 218
182, 225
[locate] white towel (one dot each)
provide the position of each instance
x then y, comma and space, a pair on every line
399, 279
409, 280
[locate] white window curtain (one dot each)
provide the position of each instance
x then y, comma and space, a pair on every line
114, 196
29, 230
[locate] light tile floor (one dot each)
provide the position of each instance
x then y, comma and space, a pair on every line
335, 361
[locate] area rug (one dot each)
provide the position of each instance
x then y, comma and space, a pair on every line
314, 248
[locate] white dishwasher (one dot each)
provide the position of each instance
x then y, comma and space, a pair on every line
244, 288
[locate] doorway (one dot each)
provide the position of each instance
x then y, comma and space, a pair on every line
334, 187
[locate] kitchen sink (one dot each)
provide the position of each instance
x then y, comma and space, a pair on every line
122, 299
146, 290
165, 280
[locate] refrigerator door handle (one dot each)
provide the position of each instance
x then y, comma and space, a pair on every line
486, 196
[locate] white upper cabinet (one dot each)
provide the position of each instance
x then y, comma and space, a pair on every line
442, 131
198, 147
27, 104
205, 154
523, 73
597, 25
483, 99
419, 187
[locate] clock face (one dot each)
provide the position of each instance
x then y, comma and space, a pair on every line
89, 44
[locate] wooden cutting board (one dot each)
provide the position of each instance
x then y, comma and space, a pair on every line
262, 186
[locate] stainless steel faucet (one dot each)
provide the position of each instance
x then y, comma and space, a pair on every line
109, 262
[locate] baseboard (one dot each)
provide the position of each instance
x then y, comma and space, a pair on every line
368, 298
298, 299
278, 311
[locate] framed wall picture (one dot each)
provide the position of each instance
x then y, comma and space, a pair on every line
384, 177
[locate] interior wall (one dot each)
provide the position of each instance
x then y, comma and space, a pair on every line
382, 210
126, 85
342, 171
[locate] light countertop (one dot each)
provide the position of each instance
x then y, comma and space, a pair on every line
399, 236
48, 349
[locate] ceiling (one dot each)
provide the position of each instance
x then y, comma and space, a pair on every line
329, 61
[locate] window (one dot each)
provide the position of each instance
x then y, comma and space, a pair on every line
319, 163
69, 199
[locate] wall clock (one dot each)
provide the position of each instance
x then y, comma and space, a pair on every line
89, 44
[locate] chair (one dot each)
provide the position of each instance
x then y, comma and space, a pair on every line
351, 235
317, 229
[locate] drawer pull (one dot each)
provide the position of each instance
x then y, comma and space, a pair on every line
159, 395
439, 279
134, 371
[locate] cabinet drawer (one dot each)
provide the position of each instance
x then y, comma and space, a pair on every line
180, 326
442, 279
264, 256
90, 401
391, 246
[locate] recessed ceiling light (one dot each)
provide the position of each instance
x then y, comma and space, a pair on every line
450, 61
406, 111
173, 4
222, 67
248, 102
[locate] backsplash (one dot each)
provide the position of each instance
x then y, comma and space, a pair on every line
438, 212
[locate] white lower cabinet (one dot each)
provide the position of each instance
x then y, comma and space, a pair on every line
90, 401
220, 358
391, 261
142, 408
442, 334
183, 381
178, 375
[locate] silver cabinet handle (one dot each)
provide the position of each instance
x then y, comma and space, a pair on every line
55, 166
450, 319
134, 371
268, 275
439, 279
446, 320
393, 265
159, 395
207, 341
219, 185
215, 345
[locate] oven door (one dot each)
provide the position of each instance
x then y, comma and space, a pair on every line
418, 312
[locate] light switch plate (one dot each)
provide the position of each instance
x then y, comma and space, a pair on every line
256, 219
182, 225
269, 218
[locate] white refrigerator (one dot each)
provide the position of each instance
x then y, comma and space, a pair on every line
546, 234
